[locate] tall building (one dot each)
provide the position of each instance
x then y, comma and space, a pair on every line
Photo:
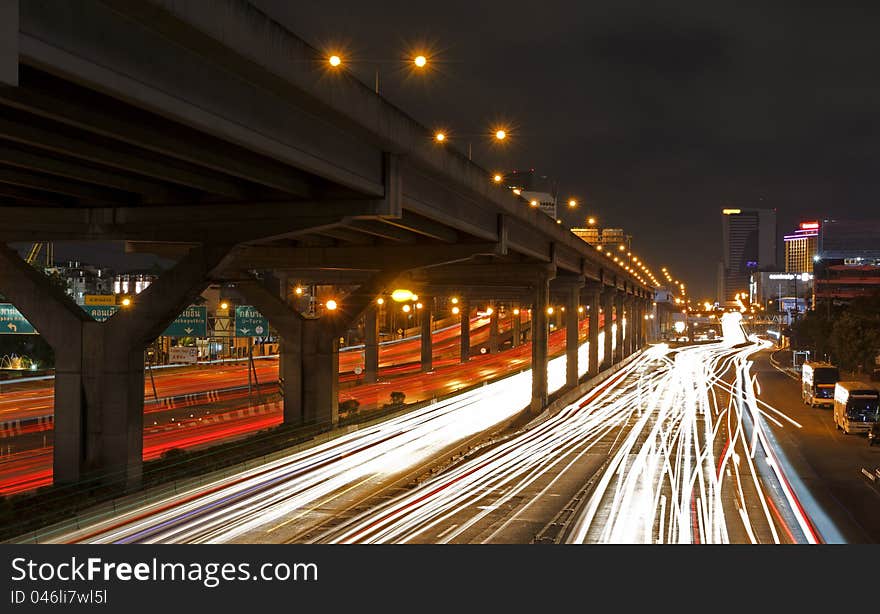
801, 248
847, 263
748, 238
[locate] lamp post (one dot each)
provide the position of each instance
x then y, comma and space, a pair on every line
418, 62
498, 134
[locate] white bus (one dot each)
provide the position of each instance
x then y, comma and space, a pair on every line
817, 383
855, 406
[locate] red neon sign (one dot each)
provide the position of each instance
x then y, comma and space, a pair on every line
809, 225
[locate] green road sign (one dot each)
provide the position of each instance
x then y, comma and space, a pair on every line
249, 322
100, 313
193, 322
13, 323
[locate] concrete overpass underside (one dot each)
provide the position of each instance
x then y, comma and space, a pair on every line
205, 132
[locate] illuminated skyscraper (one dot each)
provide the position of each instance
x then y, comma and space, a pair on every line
748, 244
801, 247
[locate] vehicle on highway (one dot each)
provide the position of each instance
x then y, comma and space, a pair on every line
817, 383
856, 405
874, 433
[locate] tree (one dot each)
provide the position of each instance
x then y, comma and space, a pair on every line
855, 339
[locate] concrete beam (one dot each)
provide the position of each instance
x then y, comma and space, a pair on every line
157, 306
216, 86
149, 191
9, 42
21, 129
123, 123
369, 258
231, 223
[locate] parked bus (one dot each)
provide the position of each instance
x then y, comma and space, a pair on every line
855, 406
817, 383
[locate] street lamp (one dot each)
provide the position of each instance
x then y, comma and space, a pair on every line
572, 203
335, 61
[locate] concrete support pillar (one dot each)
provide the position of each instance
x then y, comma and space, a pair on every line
608, 321
618, 314
290, 373
571, 337
320, 372
539, 326
371, 345
516, 326
592, 300
493, 329
427, 346
465, 332
309, 370
631, 325
99, 383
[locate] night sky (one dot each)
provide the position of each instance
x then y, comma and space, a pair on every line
656, 115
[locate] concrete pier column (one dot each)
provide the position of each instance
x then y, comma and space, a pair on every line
571, 337
592, 305
493, 329
427, 347
631, 325
618, 315
290, 378
465, 329
607, 322
99, 384
320, 372
540, 338
371, 345
516, 326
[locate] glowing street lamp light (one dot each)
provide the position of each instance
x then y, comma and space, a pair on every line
401, 295
224, 305
407, 309
420, 61
500, 134
380, 301
440, 137
572, 203
497, 178
126, 302
335, 61
456, 311
331, 305
533, 202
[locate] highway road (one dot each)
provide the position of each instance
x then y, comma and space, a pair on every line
677, 448
196, 427
828, 461
286, 499
35, 400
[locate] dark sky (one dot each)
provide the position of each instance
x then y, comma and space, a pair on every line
654, 114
